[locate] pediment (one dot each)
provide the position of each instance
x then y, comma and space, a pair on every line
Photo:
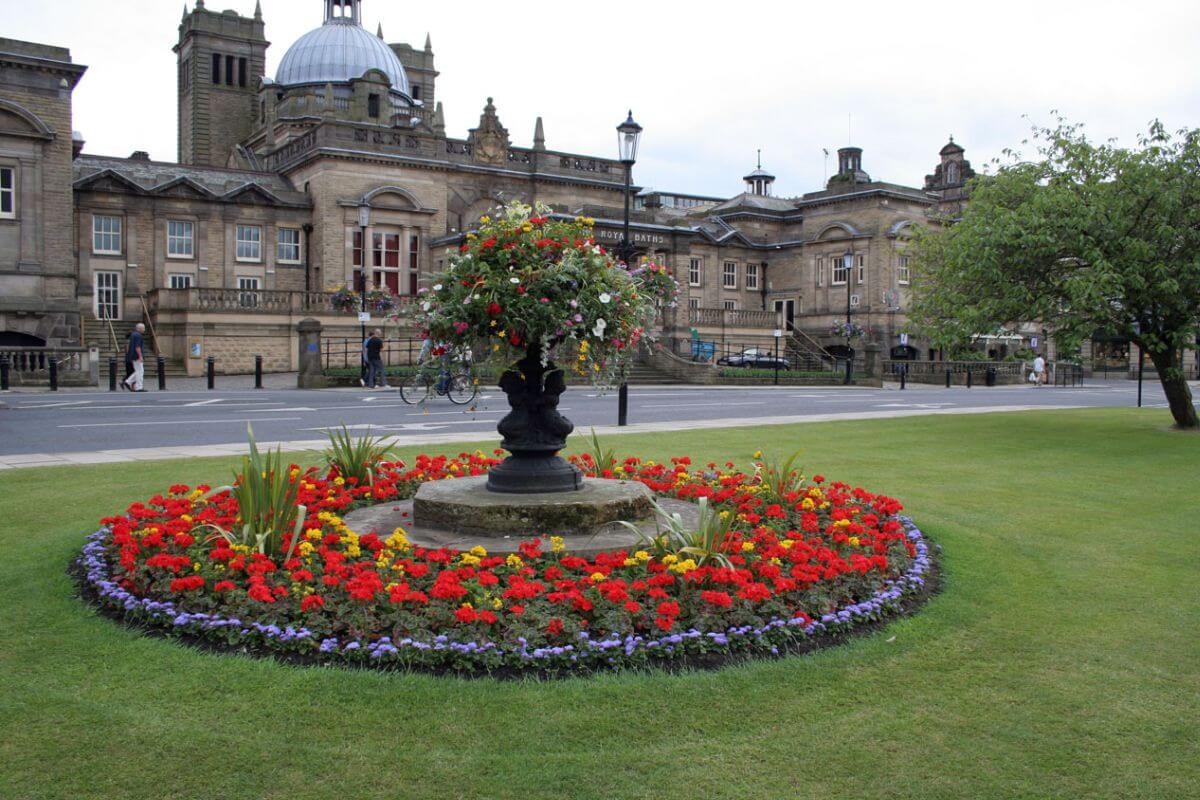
252, 195
18, 121
108, 182
184, 189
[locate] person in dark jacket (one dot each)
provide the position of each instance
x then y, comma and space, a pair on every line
375, 371
135, 357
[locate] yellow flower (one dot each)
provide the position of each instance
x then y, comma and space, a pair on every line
683, 567
186, 517
808, 504
497, 604
747, 547
339, 481
514, 561
758, 453
642, 555
854, 541
305, 548
557, 544
485, 220
469, 559
669, 559
313, 533
597, 577
478, 552
786, 544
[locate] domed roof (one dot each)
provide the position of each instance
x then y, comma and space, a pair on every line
337, 52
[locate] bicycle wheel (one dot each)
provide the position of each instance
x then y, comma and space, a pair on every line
462, 389
414, 389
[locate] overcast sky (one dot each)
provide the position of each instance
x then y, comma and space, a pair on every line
711, 81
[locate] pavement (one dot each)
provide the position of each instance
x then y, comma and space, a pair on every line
39, 428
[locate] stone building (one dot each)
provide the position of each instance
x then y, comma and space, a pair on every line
293, 185
38, 284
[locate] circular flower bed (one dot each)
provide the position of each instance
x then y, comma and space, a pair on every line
797, 562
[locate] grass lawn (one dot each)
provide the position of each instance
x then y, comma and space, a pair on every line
1061, 660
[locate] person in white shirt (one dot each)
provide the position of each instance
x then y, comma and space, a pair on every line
1039, 369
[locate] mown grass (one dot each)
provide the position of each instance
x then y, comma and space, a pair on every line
1061, 660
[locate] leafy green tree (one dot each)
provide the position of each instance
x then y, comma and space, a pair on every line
1084, 237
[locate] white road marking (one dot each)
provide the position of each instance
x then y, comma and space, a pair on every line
203, 403
701, 405
58, 405
177, 422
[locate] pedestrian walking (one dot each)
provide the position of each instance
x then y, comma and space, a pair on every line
375, 371
1039, 371
135, 358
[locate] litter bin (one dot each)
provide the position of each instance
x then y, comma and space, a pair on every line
991, 376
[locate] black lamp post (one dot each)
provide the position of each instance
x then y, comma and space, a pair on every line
629, 136
848, 262
364, 221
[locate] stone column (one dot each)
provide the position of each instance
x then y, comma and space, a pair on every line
311, 375
873, 364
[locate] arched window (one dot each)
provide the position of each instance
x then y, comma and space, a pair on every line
952, 172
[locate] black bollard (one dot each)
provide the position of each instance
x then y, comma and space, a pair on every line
623, 405
903, 377
112, 374
258, 372
947, 379
162, 374
4, 368
212, 376
970, 377
53, 374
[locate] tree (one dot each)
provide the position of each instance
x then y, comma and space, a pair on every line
1085, 237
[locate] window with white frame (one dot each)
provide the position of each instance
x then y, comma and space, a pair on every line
249, 243
862, 269
288, 247
179, 281
181, 239
106, 235
695, 271
693, 303
248, 292
902, 272
841, 271
8, 193
729, 275
819, 269
108, 295
752, 276
729, 305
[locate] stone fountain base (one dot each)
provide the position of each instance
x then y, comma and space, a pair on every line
463, 513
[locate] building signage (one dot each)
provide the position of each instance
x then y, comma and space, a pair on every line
638, 238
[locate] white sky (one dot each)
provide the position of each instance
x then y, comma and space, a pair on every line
710, 81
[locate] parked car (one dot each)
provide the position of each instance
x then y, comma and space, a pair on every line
754, 358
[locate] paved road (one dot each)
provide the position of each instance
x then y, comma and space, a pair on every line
90, 422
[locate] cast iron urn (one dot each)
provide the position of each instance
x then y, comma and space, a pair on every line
534, 431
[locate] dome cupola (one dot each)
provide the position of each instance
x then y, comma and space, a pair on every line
340, 51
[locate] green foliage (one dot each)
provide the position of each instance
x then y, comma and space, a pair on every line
602, 457
357, 457
781, 480
704, 544
266, 496
1082, 237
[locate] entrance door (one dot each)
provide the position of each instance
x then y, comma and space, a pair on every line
108, 295
788, 310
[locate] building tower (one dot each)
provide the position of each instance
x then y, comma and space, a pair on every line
222, 59
759, 181
950, 177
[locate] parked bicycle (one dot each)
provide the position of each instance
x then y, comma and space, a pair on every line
440, 378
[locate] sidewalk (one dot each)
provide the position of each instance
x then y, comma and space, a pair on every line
235, 383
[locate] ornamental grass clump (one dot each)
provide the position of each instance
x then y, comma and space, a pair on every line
676, 542
357, 457
781, 482
266, 492
528, 282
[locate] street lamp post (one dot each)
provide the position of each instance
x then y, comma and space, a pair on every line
629, 135
364, 221
848, 262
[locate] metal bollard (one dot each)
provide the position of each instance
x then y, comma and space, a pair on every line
112, 374
948, 379
4, 368
970, 377
53, 374
162, 374
903, 377
623, 405
211, 368
258, 372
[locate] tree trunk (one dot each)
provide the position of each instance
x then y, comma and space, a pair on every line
1175, 386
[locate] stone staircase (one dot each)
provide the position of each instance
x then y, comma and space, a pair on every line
805, 353
641, 374
98, 334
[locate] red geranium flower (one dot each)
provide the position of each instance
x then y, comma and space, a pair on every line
311, 602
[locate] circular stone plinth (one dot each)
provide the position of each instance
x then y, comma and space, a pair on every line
600, 535
466, 506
